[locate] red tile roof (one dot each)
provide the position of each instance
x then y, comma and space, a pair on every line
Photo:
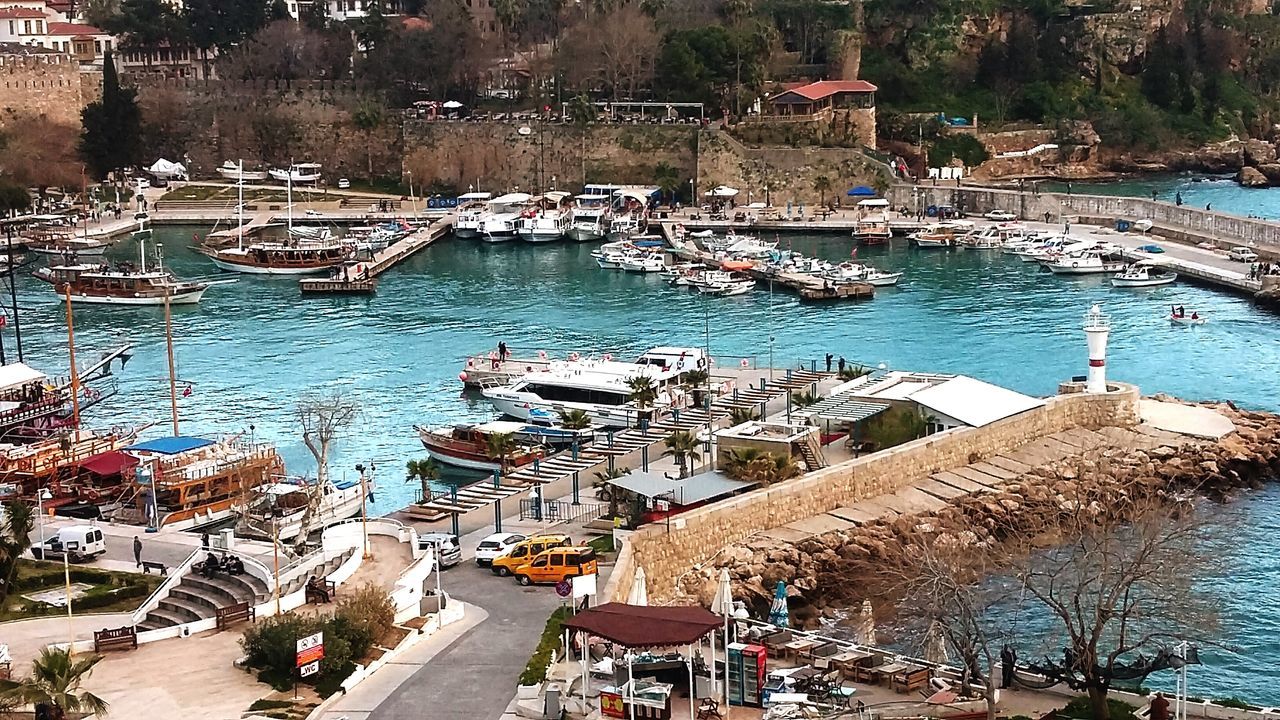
64, 28
20, 13
826, 88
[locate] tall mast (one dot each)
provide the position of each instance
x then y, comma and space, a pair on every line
240, 205
142, 251
173, 382
75, 372
288, 183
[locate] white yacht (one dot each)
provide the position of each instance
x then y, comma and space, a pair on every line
850, 272
471, 209
590, 218
1095, 260
598, 387
235, 171
1143, 273
642, 262
751, 248
281, 507
502, 217
622, 227
298, 173
545, 221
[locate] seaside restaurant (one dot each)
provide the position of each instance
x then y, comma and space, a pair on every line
816, 97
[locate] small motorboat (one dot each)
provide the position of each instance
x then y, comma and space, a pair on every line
702, 233
1143, 274
1184, 319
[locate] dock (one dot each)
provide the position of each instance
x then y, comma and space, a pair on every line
360, 277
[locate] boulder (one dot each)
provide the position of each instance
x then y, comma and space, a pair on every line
1251, 178
1259, 152
1271, 170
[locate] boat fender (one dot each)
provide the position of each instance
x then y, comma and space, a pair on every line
745, 363
462, 376
528, 368
680, 365
1075, 264
702, 363
542, 354
573, 356
471, 362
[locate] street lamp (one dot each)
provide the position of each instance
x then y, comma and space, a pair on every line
43, 495
364, 511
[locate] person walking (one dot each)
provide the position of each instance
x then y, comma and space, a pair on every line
204, 541
137, 550
829, 356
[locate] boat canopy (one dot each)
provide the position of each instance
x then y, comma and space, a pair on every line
555, 195
876, 203
722, 191
170, 445
474, 196
18, 374
512, 198
109, 463
736, 265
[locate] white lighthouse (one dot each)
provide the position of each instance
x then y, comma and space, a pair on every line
1096, 328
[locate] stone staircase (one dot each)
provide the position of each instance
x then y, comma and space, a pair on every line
197, 597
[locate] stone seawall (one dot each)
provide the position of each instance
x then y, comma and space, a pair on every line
1168, 218
47, 86
696, 538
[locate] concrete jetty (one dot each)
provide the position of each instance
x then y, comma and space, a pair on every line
361, 277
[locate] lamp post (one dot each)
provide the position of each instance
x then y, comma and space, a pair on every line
41, 496
364, 512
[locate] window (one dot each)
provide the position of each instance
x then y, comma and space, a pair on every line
520, 552
97, 47
26, 26
540, 562
106, 45
557, 559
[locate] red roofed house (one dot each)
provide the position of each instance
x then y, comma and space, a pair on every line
851, 103
85, 43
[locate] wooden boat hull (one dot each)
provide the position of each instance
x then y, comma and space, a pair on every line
251, 269
185, 297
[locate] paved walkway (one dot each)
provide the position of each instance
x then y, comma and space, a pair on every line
26, 638
170, 547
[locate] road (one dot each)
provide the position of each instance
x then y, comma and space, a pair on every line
475, 677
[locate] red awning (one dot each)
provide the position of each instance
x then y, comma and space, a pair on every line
643, 626
108, 464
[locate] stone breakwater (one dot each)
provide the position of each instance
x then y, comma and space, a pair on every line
829, 570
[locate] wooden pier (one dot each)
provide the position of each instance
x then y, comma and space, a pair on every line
360, 277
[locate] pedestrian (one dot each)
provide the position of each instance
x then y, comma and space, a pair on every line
502, 350
137, 550
1046, 215
1153, 195
1208, 206
1008, 660
829, 356
1159, 707
204, 541
841, 364
1068, 188
1177, 198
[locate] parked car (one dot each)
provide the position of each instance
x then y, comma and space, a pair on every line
80, 543
557, 564
523, 551
1151, 249
445, 544
344, 184
1243, 254
496, 545
1000, 215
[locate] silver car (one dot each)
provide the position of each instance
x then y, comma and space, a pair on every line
445, 544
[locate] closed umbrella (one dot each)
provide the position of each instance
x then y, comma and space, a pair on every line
639, 593
866, 633
778, 614
722, 604
935, 644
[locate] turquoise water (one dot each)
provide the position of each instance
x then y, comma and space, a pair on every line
252, 348
1223, 194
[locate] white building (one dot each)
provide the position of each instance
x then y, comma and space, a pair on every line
949, 401
342, 9
46, 28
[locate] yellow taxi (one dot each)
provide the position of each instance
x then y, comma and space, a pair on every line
556, 564
524, 551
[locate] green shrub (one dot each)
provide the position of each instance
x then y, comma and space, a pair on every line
364, 617
1080, 708
535, 671
265, 704
1234, 702
271, 646
101, 600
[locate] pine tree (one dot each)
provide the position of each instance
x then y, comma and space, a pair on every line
278, 11
111, 138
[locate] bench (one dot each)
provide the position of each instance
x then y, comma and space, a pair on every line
121, 638
149, 565
330, 587
225, 616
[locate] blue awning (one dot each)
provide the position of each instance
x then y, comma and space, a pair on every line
170, 445
861, 191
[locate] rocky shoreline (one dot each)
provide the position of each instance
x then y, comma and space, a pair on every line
824, 571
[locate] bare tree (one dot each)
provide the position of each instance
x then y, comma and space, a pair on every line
614, 50
324, 419
1119, 586
940, 585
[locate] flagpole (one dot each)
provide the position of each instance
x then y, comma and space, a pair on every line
75, 373
173, 382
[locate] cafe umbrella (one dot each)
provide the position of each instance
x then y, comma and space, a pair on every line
778, 614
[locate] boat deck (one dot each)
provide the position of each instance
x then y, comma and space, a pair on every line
362, 275
601, 453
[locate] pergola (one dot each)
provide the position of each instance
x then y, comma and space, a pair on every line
843, 408
641, 627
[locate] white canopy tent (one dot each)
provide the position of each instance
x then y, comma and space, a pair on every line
874, 203
451, 104
169, 170
722, 191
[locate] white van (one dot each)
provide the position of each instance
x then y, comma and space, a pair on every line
81, 543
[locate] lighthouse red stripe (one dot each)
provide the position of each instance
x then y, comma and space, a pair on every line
1097, 363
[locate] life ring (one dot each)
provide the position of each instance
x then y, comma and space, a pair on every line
680, 364
1075, 263
573, 356
608, 357
702, 363
745, 363
495, 364
542, 354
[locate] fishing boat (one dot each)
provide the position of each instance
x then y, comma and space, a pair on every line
941, 235
872, 230
124, 284
590, 218
729, 288
236, 171
288, 510
1087, 262
500, 222
471, 209
624, 226
544, 220
297, 173
850, 272
1143, 274
187, 483
1185, 319
641, 262
467, 446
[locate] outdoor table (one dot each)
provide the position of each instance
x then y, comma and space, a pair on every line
850, 663
795, 647
885, 672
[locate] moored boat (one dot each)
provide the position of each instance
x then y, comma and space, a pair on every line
1143, 274
467, 446
287, 510
236, 171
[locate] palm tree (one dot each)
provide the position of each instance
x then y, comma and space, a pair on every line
580, 110
575, 420
683, 445
424, 471
737, 416
822, 186
15, 538
804, 399
668, 180
499, 446
738, 463
55, 679
605, 491
755, 465
854, 371
696, 380
643, 393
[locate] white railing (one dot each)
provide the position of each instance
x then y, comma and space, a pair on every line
1027, 153
172, 581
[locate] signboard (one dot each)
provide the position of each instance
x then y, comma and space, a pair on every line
564, 589
310, 668
584, 585
310, 649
